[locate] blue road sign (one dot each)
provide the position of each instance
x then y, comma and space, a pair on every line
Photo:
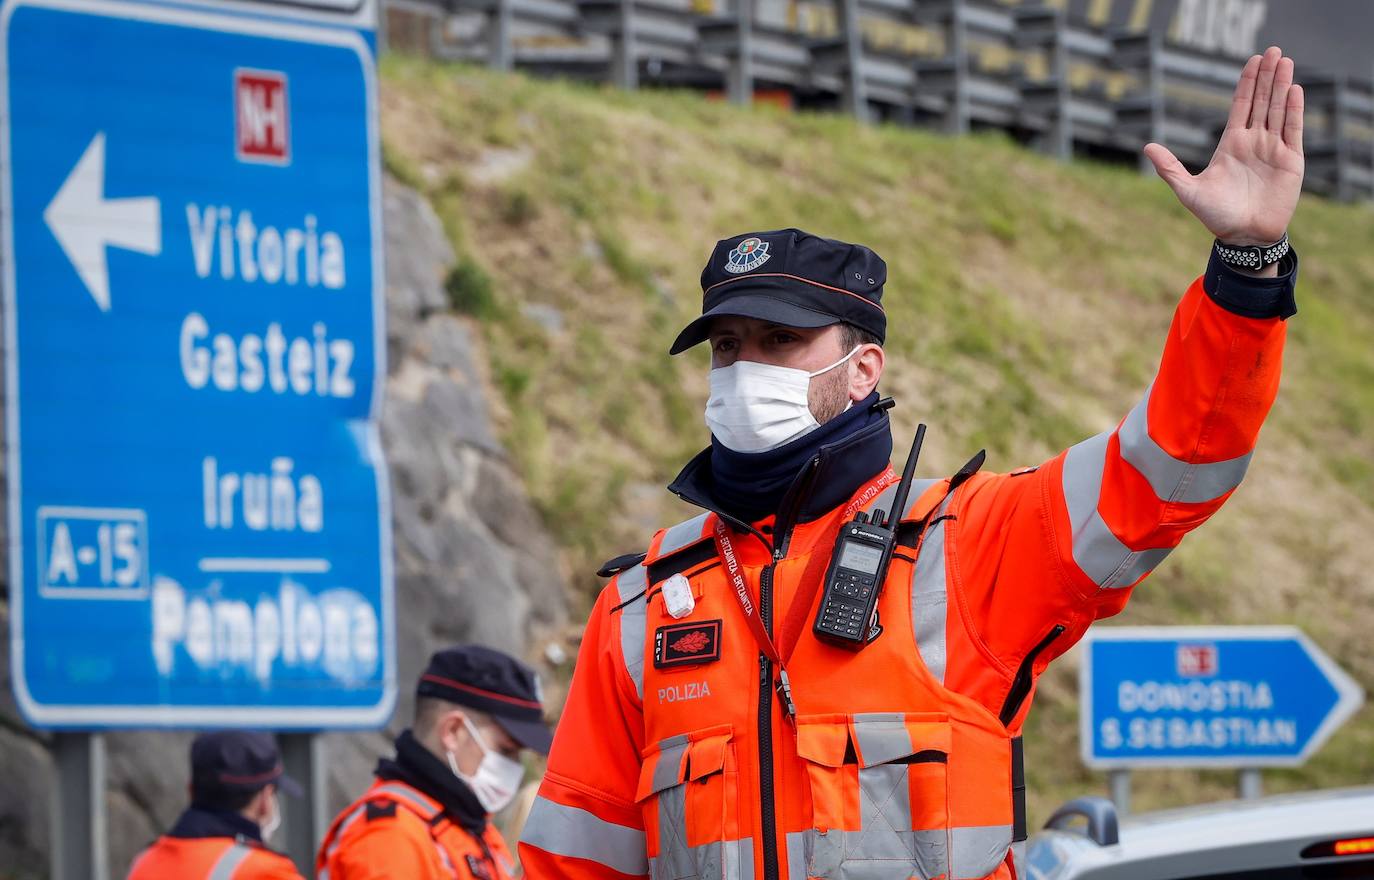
199, 531
1228, 696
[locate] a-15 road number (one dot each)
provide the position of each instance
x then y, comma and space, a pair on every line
92, 553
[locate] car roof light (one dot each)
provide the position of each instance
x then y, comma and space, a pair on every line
1347, 846
1357, 846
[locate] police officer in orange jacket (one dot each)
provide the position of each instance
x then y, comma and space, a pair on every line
235, 778
710, 733
428, 814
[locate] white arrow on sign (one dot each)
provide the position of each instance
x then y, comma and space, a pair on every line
84, 222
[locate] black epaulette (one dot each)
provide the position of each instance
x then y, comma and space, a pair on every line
909, 532
682, 559
664, 567
972, 467
381, 810
620, 563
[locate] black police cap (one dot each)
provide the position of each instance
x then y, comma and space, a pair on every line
792, 278
492, 682
227, 765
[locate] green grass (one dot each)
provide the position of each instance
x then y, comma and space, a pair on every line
1027, 299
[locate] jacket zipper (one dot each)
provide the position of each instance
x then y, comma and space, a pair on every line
782, 533
766, 815
1021, 685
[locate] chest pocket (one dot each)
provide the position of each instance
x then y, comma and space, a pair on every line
688, 793
879, 794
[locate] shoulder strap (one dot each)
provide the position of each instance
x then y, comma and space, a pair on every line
675, 539
672, 550
612, 567
667, 543
402, 794
923, 502
390, 792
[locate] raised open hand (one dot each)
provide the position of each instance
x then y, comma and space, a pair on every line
1247, 193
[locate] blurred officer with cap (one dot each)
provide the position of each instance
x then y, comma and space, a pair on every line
235, 777
428, 813
709, 732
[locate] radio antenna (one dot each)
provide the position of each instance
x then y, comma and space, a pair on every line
894, 516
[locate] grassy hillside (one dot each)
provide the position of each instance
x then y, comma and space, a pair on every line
1028, 302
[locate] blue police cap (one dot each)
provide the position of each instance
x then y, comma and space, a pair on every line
792, 278
492, 682
228, 764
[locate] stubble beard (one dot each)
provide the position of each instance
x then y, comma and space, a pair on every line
829, 395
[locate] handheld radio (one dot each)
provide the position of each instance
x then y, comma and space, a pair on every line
858, 566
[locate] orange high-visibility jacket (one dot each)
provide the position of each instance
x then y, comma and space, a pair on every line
211, 858
903, 759
397, 831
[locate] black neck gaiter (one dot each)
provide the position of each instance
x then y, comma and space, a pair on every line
750, 485
415, 765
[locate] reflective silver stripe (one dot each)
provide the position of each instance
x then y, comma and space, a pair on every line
798, 854
401, 792
886, 846
724, 860
884, 814
882, 737
918, 488
229, 862
977, 850
868, 855
1098, 552
888, 495
577, 834
929, 595
682, 534
668, 766
1171, 478
339, 833
674, 855
962, 853
443, 855
632, 582
729, 860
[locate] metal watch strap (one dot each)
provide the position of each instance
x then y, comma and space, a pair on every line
1254, 256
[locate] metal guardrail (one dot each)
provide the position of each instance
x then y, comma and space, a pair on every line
1052, 80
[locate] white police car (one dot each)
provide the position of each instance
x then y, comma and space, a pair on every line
1319, 835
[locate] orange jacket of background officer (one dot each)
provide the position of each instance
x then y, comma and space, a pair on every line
211, 858
901, 760
396, 832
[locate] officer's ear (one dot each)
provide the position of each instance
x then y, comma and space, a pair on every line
866, 368
260, 807
450, 731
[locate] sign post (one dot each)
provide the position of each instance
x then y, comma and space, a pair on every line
1228, 696
304, 826
197, 499
78, 808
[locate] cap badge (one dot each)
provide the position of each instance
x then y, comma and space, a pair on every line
747, 256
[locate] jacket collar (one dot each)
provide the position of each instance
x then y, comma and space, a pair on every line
417, 767
829, 478
204, 822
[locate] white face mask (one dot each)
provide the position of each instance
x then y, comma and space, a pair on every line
756, 407
497, 778
270, 826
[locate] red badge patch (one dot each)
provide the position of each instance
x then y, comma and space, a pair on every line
686, 644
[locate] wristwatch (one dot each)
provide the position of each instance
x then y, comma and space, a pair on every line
1251, 256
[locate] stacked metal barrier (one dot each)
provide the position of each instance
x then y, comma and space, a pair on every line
1048, 77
